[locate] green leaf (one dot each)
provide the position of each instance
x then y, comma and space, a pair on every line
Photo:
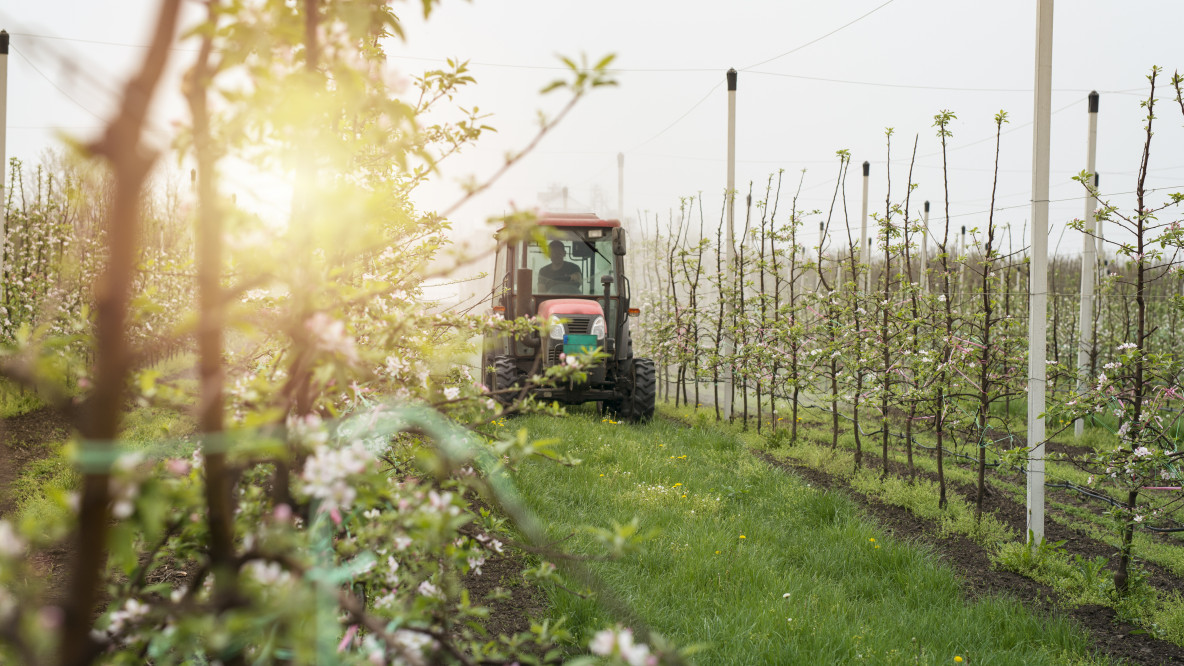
605, 61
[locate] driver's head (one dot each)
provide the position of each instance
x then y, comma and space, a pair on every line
558, 252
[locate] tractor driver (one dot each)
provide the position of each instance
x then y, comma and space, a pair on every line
559, 276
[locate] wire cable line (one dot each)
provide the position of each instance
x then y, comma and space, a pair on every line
55, 85
818, 39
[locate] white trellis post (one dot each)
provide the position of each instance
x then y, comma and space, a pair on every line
729, 308
864, 256
3, 150
821, 242
1089, 262
925, 251
1038, 279
962, 261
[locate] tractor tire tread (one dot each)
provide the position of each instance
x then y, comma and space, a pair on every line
640, 404
505, 375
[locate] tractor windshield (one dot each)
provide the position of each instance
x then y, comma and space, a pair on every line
571, 264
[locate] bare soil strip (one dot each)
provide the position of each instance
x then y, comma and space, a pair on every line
24, 439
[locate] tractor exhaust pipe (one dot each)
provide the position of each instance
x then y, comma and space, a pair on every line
524, 292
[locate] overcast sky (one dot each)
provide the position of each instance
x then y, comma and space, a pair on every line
815, 77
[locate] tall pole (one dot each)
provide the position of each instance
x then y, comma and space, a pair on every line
621, 187
3, 153
1038, 279
1089, 262
821, 240
924, 276
962, 261
731, 200
865, 254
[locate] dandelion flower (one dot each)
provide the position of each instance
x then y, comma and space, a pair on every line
743, 537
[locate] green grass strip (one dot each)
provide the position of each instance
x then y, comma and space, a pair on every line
758, 567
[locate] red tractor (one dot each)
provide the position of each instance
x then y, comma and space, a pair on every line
576, 280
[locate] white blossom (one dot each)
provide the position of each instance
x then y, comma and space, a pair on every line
326, 473
427, 589
619, 643
11, 544
132, 610
329, 335
268, 573
414, 644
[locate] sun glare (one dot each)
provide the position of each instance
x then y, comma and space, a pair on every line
266, 192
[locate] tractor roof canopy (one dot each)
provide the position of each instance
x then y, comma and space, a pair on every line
586, 220
576, 220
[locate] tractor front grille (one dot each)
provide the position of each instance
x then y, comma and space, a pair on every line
577, 324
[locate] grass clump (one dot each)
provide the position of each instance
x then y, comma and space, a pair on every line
15, 400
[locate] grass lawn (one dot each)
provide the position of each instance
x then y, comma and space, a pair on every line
755, 566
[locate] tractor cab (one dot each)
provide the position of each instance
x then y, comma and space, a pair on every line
575, 279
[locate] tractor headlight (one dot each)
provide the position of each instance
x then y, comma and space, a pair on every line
598, 328
557, 330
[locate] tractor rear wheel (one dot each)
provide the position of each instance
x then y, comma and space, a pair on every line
505, 376
640, 403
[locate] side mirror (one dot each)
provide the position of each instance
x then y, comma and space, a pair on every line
619, 242
582, 250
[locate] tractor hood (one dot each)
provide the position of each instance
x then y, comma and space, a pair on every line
568, 306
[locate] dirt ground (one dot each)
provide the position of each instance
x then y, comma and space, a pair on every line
24, 439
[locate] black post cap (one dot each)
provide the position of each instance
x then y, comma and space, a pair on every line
1093, 101
821, 225
3, 42
1096, 179
867, 167
926, 206
963, 229
731, 79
